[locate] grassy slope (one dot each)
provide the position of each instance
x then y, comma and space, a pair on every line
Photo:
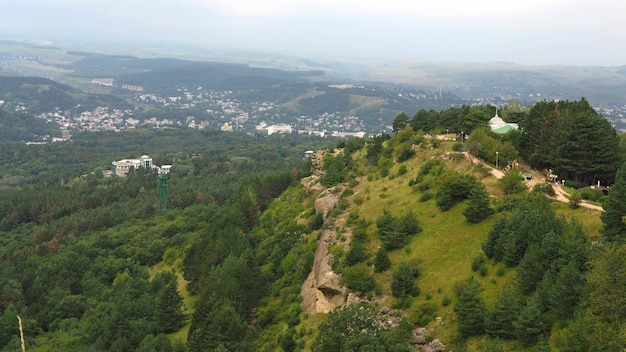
444, 250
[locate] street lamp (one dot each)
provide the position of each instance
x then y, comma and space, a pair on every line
496, 160
462, 140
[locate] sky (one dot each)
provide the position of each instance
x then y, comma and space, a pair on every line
529, 32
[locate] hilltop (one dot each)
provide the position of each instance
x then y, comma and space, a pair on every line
264, 245
445, 252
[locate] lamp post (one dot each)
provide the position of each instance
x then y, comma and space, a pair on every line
462, 140
496, 160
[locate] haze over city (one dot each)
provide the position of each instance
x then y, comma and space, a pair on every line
531, 32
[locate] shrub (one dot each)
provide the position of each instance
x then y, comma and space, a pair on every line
405, 154
574, 199
425, 313
457, 147
483, 270
402, 170
455, 187
512, 183
403, 284
425, 186
545, 188
347, 192
574, 184
426, 197
317, 222
396, 232
591, 194
358, 278
478, 262
434, 167
356, 254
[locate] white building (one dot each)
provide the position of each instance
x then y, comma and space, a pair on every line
123, 167
165, 169
227, 127
282, 128
498, 125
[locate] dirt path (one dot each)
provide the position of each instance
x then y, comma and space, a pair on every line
560, 196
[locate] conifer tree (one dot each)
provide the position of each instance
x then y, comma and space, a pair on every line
479, 205
567, 290
499, 321
493, 237
169, 314
530, 324
381, 261
403, 282
470, 309
400, 122
614, 229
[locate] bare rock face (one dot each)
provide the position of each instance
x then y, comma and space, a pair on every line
322, 291
311, 184
326, 202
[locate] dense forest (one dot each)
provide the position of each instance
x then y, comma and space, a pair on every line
88, 265
20, 127
422, 237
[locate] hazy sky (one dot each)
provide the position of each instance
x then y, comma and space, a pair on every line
580, 32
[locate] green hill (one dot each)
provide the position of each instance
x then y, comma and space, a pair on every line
385, 243
444, 252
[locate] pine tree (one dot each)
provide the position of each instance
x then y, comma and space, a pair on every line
499, 321
403, 282
567, 290
400, 122
614, 229
169, 313
493, 237
530, 324
381, 261
470, 309
479, 205
215, 322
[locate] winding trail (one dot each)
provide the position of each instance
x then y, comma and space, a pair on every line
560, 196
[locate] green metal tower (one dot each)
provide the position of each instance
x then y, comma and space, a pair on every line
162, 206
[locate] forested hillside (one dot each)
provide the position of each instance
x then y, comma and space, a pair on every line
464, 258
88, 265
388, 243
17, 127
41, 95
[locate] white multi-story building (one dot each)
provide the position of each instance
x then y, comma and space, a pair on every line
123, 167
282, 128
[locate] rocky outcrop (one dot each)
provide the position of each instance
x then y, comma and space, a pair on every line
322, 291
326, 202
421, 343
